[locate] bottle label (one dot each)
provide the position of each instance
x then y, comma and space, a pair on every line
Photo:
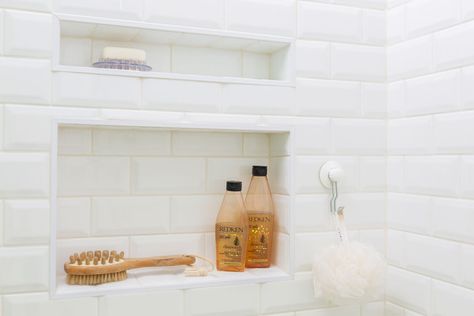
260, 238
230, 241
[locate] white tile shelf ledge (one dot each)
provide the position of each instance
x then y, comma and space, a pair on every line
143, 280
279, 156
175, 52
172, 76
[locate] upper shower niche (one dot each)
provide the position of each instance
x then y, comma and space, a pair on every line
175, 52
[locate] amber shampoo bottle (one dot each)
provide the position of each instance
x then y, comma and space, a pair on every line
259, 204
231, 230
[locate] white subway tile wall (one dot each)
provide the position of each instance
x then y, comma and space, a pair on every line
256, 145
426, 16
167, 302
383, 86
313, 59
28, 127
27, 34
24, 174
141, 142
222, 300
26, 222
294, 295
129, 215
76, 89
167, 95
333, 311
358, 62
194, 213
261, 16
73, 218
326, 22
333, 98
1, 225
459, 53
374, 26
93, 175
202, 13
42, 305
429, 174
32, 82
142, 246
32, 5
1, 35
249, 99
408, 289
395, 24
352, 136
229, 61
74, 141
27, 269
152, 175
127, 9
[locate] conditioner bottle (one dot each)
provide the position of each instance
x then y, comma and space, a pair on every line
231, 230
259, 204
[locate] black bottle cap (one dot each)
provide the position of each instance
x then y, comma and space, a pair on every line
234, 186
259, 171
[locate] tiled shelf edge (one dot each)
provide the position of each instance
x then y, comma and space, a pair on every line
172, 76
174, 280
173, 28
171, 123
57, 66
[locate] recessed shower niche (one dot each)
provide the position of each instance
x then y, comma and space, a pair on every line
174, 52
155, 190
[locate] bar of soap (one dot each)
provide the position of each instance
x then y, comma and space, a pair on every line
111, 52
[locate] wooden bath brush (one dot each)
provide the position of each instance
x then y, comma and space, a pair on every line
97, 267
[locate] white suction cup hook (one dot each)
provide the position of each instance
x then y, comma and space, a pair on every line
331, 170
336, 174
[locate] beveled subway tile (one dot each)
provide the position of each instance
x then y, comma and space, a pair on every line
89, 175
27, 269
168, 175
26, 222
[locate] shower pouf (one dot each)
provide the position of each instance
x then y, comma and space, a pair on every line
348, 272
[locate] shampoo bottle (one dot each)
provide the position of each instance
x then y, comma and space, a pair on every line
259, 204
231, 230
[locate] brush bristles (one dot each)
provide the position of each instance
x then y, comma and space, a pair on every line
95, 259
96, 279
90, 257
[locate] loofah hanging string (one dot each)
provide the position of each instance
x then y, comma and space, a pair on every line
347, 271
341, 230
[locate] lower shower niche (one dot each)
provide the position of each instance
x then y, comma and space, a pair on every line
153, 190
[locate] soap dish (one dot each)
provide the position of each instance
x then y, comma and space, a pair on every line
124, 64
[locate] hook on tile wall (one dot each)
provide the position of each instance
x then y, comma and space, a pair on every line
330, 174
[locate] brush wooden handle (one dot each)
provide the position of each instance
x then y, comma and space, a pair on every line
159, 261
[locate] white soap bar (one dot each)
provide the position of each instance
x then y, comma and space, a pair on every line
123, 53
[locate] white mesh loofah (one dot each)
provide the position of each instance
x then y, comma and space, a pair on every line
348, 272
